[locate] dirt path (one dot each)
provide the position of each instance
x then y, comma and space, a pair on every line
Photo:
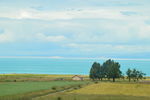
53, 93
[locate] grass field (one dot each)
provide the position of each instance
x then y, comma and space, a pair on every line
42, 87
33, 77
133, 89
13, 90
65, 96
23, 87
106, 91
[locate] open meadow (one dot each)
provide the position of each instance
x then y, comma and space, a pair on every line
28, 86
105, 91
61, 87
33, 77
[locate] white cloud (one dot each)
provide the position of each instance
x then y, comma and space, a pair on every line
86, 13
25, 14
144, 31
6, 37
109, 48
49, 38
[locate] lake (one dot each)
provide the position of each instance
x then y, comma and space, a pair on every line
63, 66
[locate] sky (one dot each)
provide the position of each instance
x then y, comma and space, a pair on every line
75, 28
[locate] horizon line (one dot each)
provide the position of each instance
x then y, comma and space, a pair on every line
60, 57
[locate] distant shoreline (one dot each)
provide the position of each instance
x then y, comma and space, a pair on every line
59, 57
45, 74
40, 74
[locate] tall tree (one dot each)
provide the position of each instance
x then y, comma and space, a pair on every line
129, 73
141, 75
134, 74
100, 73
105, 68
95, 71
112, 69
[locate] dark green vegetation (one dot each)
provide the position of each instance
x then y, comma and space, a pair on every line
134, 74
111, 69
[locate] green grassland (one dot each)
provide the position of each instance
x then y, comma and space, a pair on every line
23, 87
27, 86
20, 90
50, 87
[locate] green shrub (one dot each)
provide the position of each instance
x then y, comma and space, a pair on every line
59, 98
54, 88
96, 82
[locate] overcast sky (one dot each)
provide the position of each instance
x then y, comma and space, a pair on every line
75, 28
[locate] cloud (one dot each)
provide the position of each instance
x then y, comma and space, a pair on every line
144, 32
49, 38
105, 26
86, 13
6, 37
109, 48
129, 13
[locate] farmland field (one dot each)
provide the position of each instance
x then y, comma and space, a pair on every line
47, 87
32, 77
15, 89
65, 96
23, 87
106, 91
134, 89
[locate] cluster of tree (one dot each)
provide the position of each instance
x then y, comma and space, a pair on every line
134, 74
109, 69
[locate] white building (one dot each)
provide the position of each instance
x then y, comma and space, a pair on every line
77, 78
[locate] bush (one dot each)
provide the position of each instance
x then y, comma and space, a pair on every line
59, 98
53, 88
79, 86
75, 88
95, 82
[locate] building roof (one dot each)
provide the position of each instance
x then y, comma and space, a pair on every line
77, 76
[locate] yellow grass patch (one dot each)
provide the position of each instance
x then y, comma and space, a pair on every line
116, 89
44, 75
148, 79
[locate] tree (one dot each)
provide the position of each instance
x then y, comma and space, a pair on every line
105, 68
138, 74
112, 69
95, 71
135, 74
141, 75
129, 72
100, 72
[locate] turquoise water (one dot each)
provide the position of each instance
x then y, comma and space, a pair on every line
62, 66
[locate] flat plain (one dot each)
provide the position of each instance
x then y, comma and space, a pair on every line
57, 87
